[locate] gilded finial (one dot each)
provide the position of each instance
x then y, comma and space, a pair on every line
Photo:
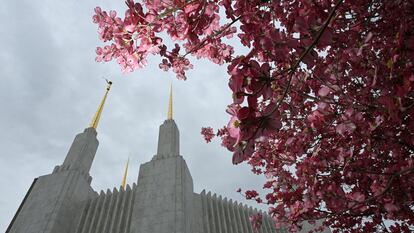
97, 116
123, 184
170, 107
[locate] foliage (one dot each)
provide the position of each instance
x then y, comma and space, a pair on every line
322, 101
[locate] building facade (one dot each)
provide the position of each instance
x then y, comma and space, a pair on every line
162, 200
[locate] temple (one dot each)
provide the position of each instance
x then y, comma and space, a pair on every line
162, 200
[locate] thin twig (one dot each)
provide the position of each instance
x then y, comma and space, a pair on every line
308, 49
296, 65
202, 43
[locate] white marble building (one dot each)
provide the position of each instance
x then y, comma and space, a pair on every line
162, 200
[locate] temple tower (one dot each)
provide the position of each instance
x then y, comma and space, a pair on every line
164, 195
53, 203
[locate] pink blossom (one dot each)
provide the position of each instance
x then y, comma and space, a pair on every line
256, 221
357, 196
391, 207
324, 91
344, 128
207, 133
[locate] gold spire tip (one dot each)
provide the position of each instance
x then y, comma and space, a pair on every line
170, 107
97, 116
123, 184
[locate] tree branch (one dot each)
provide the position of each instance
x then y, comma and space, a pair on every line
308, 49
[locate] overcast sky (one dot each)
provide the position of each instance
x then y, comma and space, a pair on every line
51, 86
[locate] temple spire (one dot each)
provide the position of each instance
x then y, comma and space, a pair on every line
123, 184
169, 136
170, 107
97, 116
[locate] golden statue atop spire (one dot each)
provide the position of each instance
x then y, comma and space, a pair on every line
170, 107
123, 184
97, 116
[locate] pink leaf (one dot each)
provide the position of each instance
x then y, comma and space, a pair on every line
357, 196
389, 207
344, 128
324, 91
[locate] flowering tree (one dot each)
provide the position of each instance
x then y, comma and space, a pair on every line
322, 101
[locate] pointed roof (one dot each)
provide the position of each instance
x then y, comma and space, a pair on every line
97, 116
123, 184
170, 107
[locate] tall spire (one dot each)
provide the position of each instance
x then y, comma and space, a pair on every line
97, 116
170, 107
168, 137
123, 184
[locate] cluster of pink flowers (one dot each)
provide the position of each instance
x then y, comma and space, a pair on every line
323, 101
195, 24
256, 221
208, 133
